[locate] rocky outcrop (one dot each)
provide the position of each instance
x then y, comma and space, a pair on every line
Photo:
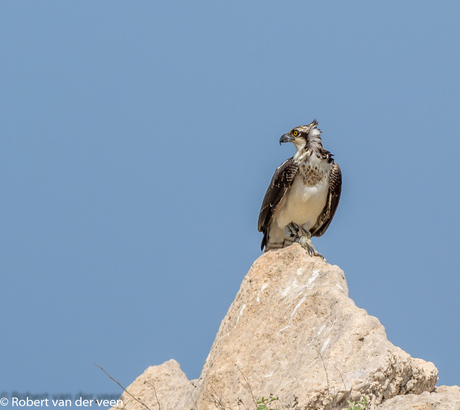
293, 332
444, 398
166, 384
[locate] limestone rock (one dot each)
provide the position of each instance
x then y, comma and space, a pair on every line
455, 390
444, 398
166, 384
292, 331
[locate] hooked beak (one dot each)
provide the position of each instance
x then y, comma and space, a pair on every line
286, 138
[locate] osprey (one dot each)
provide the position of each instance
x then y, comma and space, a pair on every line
303, 195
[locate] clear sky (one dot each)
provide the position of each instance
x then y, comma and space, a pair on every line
138, 139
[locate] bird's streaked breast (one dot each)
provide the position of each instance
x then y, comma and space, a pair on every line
307, 197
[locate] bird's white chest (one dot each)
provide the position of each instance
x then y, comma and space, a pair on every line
307, 196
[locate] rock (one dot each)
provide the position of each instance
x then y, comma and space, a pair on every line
444, 398
166, 384
448, 390
292, 331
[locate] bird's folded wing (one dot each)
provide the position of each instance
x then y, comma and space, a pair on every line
280, 183
333, 197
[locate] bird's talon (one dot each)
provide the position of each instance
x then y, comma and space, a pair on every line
305, 242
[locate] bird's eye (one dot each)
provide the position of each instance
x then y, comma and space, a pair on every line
295, 133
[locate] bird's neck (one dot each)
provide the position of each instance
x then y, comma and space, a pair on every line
315, 144
312, 147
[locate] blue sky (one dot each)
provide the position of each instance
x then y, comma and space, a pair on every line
137, 142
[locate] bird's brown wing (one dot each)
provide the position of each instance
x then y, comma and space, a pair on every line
280, 183
333, 197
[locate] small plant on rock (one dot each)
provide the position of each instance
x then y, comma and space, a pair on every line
264, 404
359, 405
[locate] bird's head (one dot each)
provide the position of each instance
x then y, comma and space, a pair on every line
302, 135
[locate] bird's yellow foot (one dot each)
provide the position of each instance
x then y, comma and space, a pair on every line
305, 242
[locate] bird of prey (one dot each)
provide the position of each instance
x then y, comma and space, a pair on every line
303, 194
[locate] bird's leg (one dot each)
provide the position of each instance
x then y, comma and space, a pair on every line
305, 242
306, 231
292, 229
291, 234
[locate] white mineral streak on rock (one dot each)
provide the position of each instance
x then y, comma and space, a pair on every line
314, 275
322, 328
261, 290
239, 314
325, 344
292, 314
